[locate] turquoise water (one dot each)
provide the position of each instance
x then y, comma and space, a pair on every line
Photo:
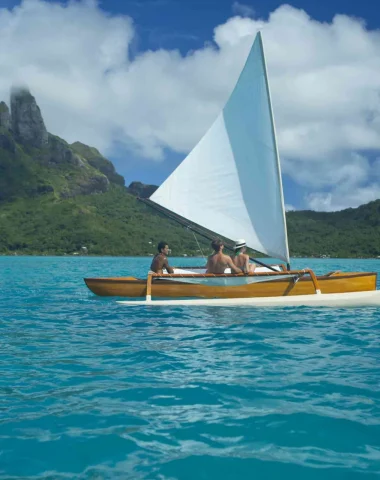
92, 390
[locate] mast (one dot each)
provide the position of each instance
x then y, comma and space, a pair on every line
277, 153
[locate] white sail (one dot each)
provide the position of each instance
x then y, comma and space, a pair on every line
230, 182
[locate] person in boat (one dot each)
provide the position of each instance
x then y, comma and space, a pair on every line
240, 258
160, 261
218, 261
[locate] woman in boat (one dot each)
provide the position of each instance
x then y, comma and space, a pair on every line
241, 259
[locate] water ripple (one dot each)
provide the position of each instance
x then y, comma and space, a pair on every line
91, 390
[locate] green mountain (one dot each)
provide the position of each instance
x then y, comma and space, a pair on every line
354, 232
56, 198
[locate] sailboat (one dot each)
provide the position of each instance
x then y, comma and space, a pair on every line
230, 184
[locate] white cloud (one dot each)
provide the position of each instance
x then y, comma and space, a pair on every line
289, 208
242, 9
350, 170
342, 198
325, 81
353, 181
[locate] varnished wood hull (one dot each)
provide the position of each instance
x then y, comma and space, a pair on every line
134, 288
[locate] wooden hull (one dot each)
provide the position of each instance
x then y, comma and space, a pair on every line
161, 288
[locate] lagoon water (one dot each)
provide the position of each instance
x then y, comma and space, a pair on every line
90, 389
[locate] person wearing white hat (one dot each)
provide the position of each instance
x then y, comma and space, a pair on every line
240, 258
240, 244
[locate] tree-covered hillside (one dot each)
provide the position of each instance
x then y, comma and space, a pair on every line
56, 198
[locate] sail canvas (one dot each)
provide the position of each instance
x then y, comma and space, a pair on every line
230, 182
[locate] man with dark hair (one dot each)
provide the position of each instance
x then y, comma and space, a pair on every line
218, 261
160, 260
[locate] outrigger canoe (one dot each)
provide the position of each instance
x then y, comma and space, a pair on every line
295, 287
230, 184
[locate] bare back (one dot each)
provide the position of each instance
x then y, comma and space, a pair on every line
218, 262
160, 262
242, 261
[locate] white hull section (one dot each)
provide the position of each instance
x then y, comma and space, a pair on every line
222, 281
355, 299
189, 271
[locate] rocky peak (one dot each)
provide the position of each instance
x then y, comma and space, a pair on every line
96, 160
5, 116
141, 189
27, 122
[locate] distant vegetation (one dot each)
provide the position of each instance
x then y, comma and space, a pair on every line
111, 223
116, 223
56, 198
354, 232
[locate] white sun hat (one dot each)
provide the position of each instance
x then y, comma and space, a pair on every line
240, 243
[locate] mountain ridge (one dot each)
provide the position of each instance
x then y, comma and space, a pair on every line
57, 197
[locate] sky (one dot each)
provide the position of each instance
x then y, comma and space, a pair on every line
143, 80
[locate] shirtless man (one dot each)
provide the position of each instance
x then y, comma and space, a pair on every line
241, 259
160, 260
218, 262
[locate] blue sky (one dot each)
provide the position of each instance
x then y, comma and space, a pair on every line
187, 24
326, 165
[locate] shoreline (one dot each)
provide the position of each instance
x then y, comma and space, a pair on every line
70, 255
